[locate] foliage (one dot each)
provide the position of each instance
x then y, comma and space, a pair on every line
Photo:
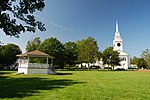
77, 85
133, 60
141, 63
110, 57
71, 52
146, 56
8, 55
88, 50
55, 48
99, 55
33, 45
17, 16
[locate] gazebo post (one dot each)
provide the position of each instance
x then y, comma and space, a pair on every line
28, 61
51, 62
19, 62
47, 60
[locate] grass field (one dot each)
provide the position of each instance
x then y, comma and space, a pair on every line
76, 85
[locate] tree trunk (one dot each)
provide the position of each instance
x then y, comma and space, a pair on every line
113, 67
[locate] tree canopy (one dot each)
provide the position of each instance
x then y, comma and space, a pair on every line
88, 50
71, 52
110, 57
17, 16
33, 45
55, 48
133, 60
8, 55
141, 63
146, 56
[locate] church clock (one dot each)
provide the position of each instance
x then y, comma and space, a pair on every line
118, 44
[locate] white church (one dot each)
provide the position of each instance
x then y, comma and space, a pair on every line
118, 46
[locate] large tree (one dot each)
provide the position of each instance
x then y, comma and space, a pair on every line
55, 48
71, 52
33, 45
110, 57
17, 16
8, 55
88, 50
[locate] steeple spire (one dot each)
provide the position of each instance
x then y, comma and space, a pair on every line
117, 29
117, 26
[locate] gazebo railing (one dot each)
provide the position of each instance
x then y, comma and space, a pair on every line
38, 66
23, 65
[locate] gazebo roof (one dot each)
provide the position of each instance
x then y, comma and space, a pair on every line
35, 53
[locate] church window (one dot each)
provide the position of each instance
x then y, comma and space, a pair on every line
123, 59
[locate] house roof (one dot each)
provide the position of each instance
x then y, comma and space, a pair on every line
35, 53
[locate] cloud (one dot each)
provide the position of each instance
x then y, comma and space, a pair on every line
57, 25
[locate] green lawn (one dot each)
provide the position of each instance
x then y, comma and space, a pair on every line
76, 85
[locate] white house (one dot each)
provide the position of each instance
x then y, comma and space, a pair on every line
27, 66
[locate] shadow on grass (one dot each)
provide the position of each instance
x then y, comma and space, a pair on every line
6, 72
23, 87
1, 73
64, 73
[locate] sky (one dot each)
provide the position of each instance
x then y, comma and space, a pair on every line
73, 20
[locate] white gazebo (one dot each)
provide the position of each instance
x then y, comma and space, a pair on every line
35, 62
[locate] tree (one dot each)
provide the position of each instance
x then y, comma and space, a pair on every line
134, 60
71, 53
141, 63
15, 12
55, 48
99, 57
110, 57
33, 45
8, 54
146, 56
88, 50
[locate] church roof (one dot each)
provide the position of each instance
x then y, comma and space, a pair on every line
35, 53
122, 53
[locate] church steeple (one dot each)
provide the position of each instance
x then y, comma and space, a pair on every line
117, 29
117, 42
